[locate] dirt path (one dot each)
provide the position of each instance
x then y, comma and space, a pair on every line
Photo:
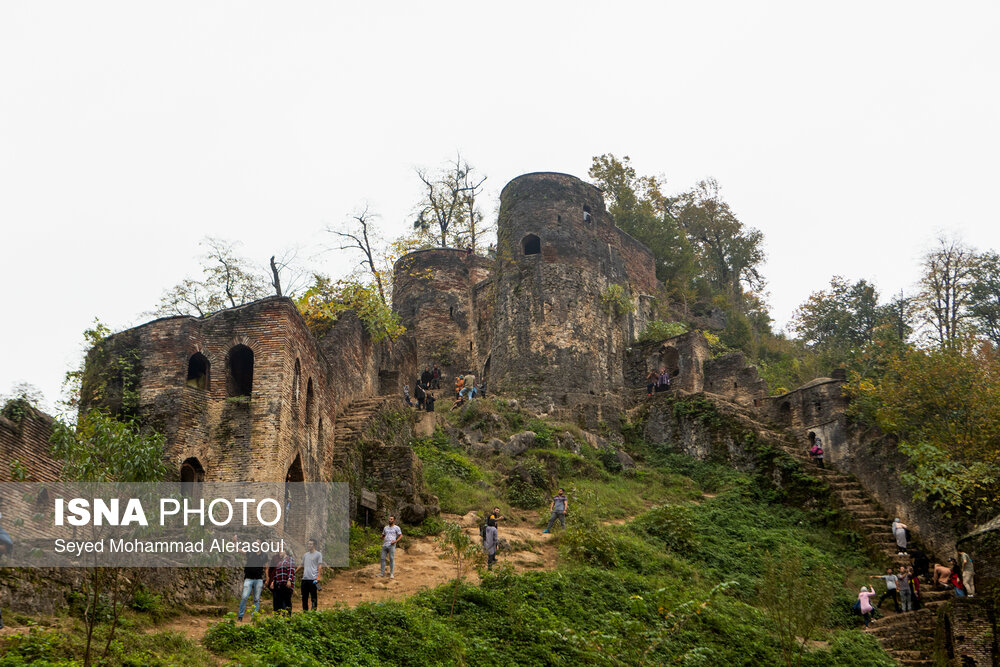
419, 566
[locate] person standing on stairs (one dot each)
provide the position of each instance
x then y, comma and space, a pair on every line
816, 453
968, 573
891, 588
905, 592
420, 395
914, 588
899, 532
955, 580
921, 564
865, 603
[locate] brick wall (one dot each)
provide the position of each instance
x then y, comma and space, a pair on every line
27, 441
969, 634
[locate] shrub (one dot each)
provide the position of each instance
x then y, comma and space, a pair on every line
660, 330
673, 525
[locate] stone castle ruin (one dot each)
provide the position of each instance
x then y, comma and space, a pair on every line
552, 318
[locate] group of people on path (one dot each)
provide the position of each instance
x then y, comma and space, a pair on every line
466, 389
903, 585
490, 534
657, 381
278, 576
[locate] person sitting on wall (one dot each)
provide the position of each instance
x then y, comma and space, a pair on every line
663, 381
652, 380
458, 386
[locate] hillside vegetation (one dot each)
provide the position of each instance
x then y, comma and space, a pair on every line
672, 561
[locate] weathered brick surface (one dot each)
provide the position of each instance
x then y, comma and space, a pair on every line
968, 636
553, 339
289, 415
27, 441
436, 293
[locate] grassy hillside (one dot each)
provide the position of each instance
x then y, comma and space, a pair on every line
676, 561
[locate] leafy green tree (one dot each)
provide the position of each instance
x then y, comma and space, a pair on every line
325, 300
946, 286
942, 404
796, 610
101, 448
227, 281
984, 296
730, 253
639, 207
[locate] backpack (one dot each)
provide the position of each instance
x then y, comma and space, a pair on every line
857, 607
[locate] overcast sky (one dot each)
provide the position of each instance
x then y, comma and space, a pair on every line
849, 133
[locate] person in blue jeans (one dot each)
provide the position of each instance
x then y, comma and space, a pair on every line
560, 504
391, 534
253, 580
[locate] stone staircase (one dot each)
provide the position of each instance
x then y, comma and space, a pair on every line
907, 637
351, 422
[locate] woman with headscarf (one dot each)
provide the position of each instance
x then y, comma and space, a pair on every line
899, 532
864, 599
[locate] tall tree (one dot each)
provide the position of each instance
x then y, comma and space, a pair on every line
946, 286
227, 281
362, 236
841, 318
984, 296
639, 207
448, 210
730, 252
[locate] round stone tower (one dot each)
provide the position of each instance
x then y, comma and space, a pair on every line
567, 284
434, 294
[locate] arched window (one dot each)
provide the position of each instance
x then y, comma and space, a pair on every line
786, 415
531, 244
586, 214
239, 364
191, 474
198, 366
309, 402
296, 382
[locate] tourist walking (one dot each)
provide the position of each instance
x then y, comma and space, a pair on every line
865, 603
968, 573
899, 532
312, 568
391, 534
490, 542
816, 453
558, 508
891, 586
253, 580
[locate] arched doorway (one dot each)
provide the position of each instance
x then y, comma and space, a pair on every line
192, 474
296, 511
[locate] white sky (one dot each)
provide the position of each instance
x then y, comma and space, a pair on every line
849, 133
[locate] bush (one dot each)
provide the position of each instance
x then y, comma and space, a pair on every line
660, 330
673, 525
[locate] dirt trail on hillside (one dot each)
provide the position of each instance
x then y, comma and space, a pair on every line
419, 566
